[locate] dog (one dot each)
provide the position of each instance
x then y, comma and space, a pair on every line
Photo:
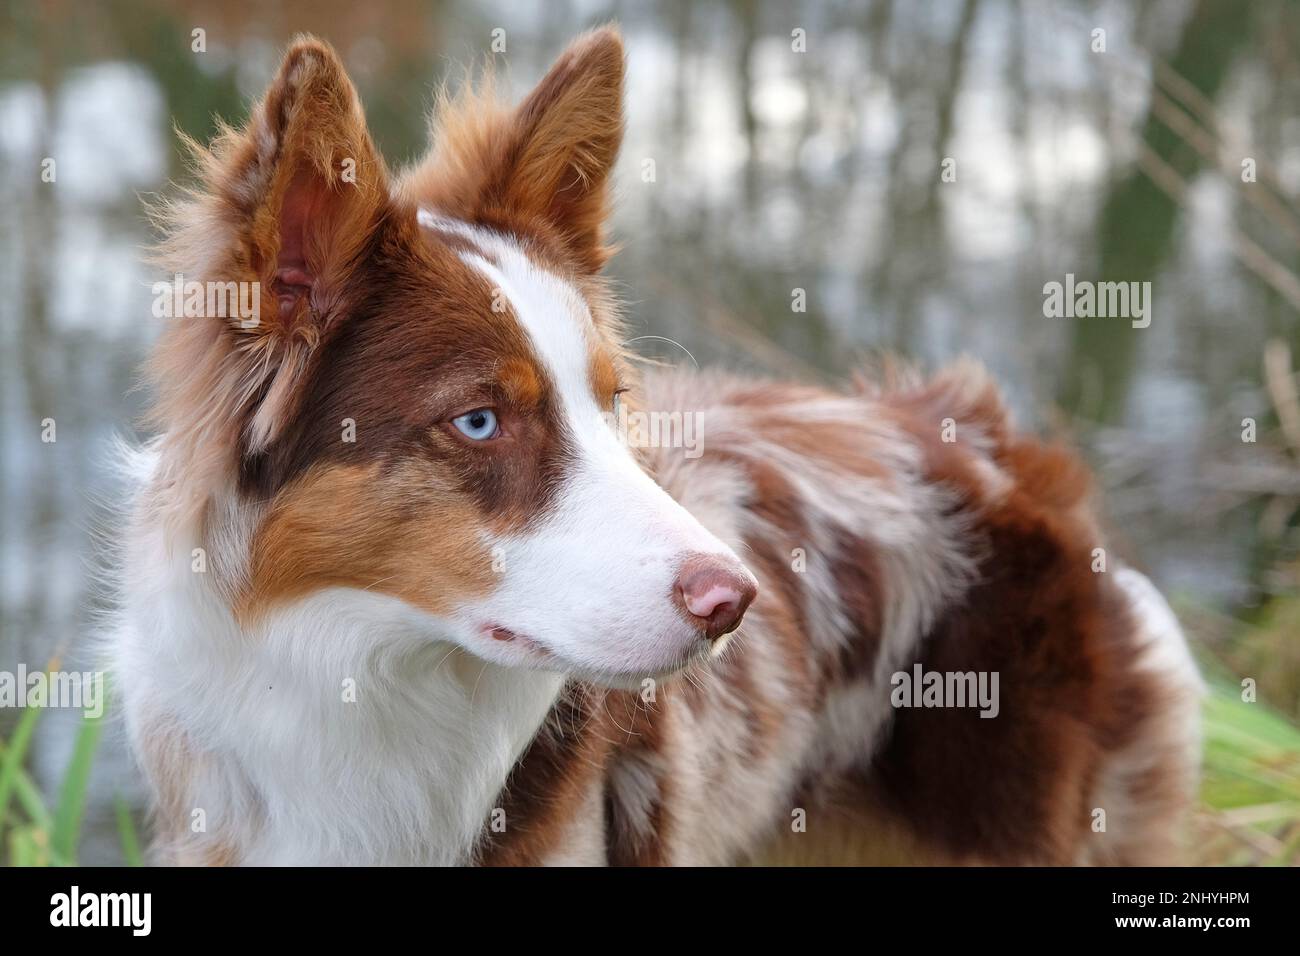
396, 587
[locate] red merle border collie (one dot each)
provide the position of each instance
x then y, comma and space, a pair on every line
395, 590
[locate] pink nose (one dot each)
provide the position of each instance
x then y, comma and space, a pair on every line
715, 593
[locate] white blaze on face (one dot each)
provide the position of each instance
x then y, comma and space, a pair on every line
593, 581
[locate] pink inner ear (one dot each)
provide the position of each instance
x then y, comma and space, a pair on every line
293, 280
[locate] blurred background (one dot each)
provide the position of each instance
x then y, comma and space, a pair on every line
1173, 156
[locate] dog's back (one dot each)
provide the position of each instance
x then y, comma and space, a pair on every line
898, 532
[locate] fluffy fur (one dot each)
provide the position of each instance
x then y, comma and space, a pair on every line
352, 634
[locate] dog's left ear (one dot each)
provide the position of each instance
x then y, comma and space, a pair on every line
544, 165
310, 182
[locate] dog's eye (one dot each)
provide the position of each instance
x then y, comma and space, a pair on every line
478, 425
618, 401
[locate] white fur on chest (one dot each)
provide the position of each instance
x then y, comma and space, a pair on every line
341, 731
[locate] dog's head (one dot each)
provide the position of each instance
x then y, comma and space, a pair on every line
422, 405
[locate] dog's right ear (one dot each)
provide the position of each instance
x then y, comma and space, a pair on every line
304, 184
310, 182
291, 202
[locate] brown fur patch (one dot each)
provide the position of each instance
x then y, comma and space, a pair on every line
1055, 633
398, 530
566, 758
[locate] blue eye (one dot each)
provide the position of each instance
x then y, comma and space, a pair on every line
478, 425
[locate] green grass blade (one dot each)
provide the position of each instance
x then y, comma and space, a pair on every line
1251, 756
22, 847
1250, 781
76, 781
126, 833
11, 765
29, 797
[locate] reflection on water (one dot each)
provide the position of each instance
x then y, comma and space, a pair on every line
750, 171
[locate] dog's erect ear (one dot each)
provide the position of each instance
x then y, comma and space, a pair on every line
566, 136
310, 183
543, 165
291, 202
